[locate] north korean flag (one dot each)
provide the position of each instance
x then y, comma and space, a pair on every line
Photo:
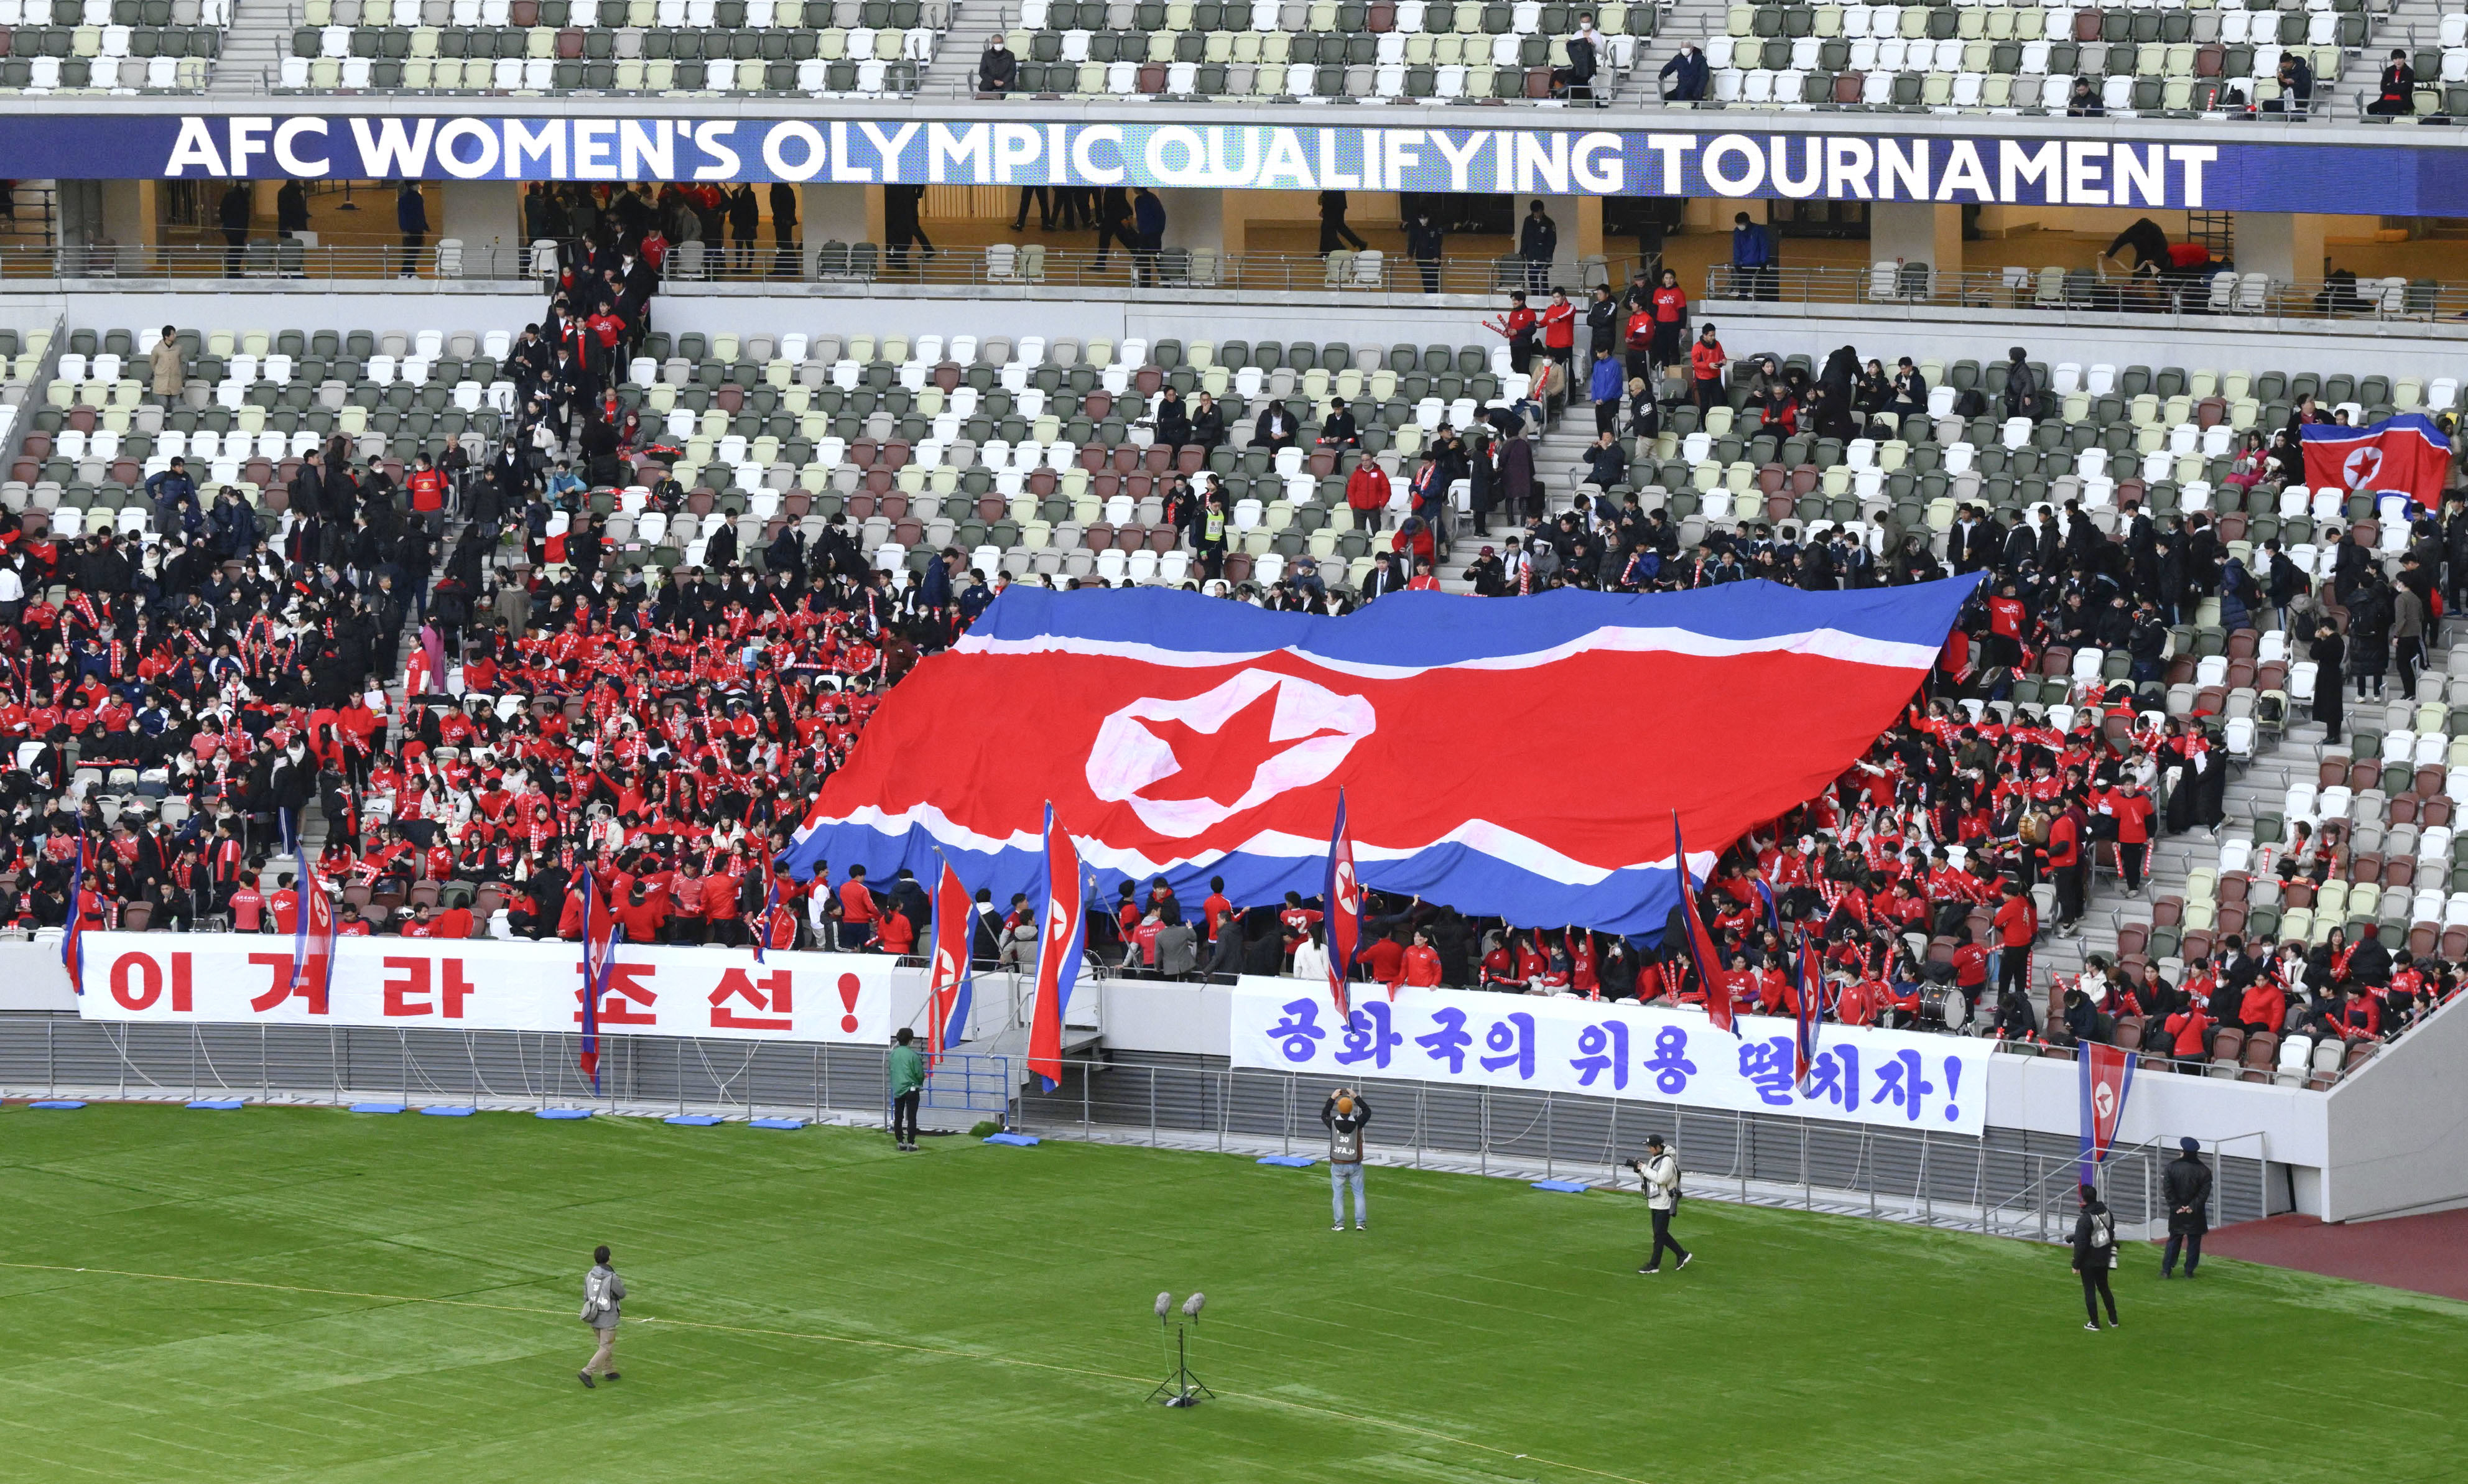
1342, 904
2407, 454
1515, 758
1063, 935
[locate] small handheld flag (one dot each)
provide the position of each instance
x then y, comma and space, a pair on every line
73, 940
948, 993
601, 933
2107, 1077
1058, 957
312, 940
1342, 899
763, 924
1700, 944
1808, 987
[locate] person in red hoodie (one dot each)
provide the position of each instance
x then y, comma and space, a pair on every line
2189, 1036
858, 912
2012, 930
2066, 865
1383, 958
895, 934
2264, 1006
2132, 809
1367, 493
1422, 965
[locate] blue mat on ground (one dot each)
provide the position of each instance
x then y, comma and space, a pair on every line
691, 1120
447, 1112
1564, 1187
1290, 1161
61, 1105
564, 1114
1021, 1140
218, 1105
377, 1108
790, 1124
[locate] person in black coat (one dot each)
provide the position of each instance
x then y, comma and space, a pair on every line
2329, 678
2187, 1184
2094, 1243
1275, 428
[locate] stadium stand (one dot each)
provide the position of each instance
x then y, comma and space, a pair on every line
1304, 49
613, 502
121, 46
822, 48
2145, 59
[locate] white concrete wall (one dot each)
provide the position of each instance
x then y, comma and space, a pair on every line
2398, 1131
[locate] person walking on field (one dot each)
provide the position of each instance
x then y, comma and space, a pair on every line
907, 1081
1660, 1171
2094, 1252
602, 1291
1346, 1113
2188, 1183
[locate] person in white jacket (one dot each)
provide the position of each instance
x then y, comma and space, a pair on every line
1311, 958
1660, 1171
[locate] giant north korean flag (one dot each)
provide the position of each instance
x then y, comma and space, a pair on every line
1521, 757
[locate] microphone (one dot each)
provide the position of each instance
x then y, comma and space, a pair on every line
1165, 1301
1191, 1305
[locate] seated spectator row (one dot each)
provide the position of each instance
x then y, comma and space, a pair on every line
851, 46
1408, 17
2175, 78
2345, 24
1321, 48
255, 402
109, 45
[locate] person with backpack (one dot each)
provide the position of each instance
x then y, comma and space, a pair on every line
2095, 1253
1346, 1114
1660, 1170
602, 1291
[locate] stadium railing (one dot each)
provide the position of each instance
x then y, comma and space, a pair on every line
1031, 268
1919, 289
2009, 1182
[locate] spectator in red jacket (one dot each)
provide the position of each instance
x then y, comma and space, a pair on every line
2132, 809
2066, 866
858, 912
1422, 964
1367, 493
2264, 1008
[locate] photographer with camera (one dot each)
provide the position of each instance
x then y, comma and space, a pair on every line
1660, 1172
1345, 1113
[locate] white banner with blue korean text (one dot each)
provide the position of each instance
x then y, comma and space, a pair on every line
1895, 1078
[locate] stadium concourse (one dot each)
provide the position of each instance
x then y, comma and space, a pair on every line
479, 612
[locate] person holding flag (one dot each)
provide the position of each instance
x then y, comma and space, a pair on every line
1063, 939
1343, 915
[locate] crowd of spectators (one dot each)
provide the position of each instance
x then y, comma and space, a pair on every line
193, 698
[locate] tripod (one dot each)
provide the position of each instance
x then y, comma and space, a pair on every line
1181, 1388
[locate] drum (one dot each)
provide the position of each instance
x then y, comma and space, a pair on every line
1943, 1006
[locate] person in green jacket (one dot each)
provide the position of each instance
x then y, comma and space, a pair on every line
907, 1080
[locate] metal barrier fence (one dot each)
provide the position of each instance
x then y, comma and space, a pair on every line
2008, 1183
1917, 290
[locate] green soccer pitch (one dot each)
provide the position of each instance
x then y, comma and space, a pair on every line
340, 1298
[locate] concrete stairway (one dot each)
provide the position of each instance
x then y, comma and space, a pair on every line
953, 71
253, 48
